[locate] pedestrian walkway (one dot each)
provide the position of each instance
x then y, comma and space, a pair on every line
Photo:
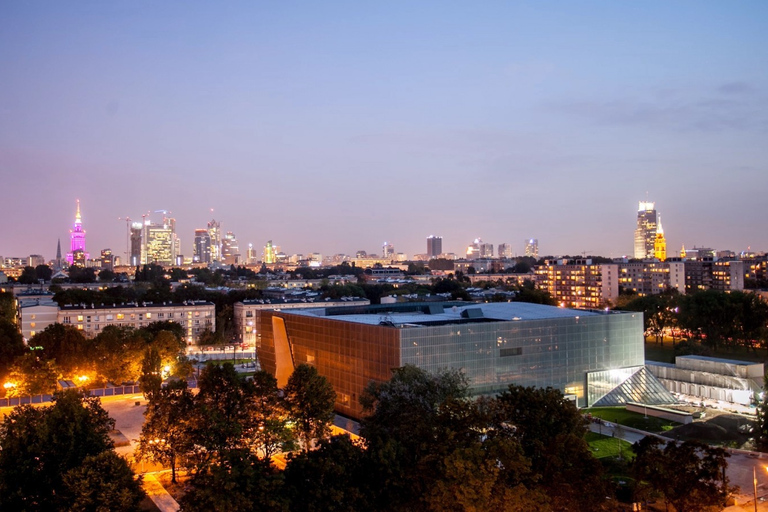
158, 494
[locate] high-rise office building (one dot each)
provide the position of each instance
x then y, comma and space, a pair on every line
214, 231
230, 252
136, 236
479, 249
202, 252
532, 247
251, 256
434, 246
270, 254
645, 232
107, 260
159, 244
387, 250
505, 251
77, 254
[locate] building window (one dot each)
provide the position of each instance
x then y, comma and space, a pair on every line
149, 315
80, 327
79, 318
32, 316
31, 333
507, 352
120, 316
32, 324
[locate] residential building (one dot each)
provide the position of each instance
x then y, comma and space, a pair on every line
194, 316
579, 283
652, 277
711, 274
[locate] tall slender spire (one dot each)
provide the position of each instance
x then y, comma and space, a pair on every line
58, 250
78, 218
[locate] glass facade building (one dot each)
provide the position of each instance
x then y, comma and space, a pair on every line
494, 344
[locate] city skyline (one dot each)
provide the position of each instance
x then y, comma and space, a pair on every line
333, 129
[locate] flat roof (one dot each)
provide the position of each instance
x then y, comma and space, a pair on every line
718, 360
430, 313
74, 307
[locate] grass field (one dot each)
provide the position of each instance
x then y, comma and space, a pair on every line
631, 419
607, 446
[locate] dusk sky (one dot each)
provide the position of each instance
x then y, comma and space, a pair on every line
332, 127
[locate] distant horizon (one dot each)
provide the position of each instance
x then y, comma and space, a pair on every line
335, 127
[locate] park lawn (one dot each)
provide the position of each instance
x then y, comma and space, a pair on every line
624, 417
607, 446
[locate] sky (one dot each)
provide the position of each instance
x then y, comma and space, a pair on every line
333, 127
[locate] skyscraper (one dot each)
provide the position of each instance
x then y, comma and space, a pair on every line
202, 252
479, 249
159, 244
434, 246
505, 251
77, 254
269, 253
645, 233
214, 231
137, 229
532, 247
387, 250
230, 251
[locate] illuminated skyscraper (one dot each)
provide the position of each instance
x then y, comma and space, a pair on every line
230, 251
479, 249
269, 253
202, 252
505, 251
660, 244
77, 254
214, 231
645, 233
387, 250
532, 247
434, 246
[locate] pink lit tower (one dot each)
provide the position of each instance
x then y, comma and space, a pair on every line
77, 254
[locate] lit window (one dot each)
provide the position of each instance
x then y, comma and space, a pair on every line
149, 315
120, 316
33, 316
32, 324
80, 327
31, 333
79, 318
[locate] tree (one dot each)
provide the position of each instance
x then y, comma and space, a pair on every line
28, 276
11, 347
551, 432
689, 475
117, 353
167, 434
221, 413
106, 276
43, 272
32, 375
151, 379
102, 482
67, 346
7, 307
331, 478
310, 399
38, 446
267, 424
241, 482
